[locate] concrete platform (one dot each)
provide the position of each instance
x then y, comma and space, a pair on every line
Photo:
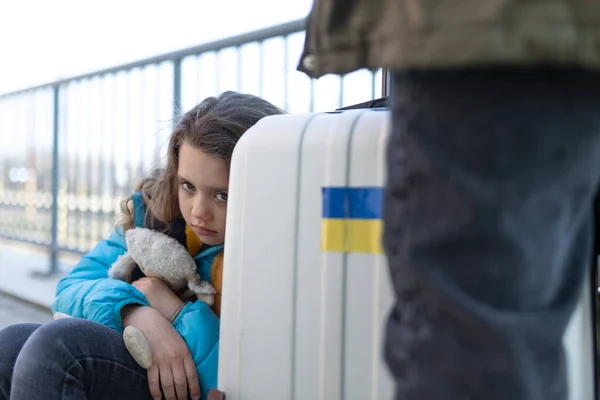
19, 266
14, 311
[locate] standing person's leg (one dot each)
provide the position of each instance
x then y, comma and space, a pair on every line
77, 359
12, 339
488, 225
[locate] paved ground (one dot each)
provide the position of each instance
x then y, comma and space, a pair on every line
20, 266
13, 312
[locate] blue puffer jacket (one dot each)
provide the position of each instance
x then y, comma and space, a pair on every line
87, 292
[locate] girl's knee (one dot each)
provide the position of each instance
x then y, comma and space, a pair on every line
12, 340
56, 344
63, 333
67, 337
17, 333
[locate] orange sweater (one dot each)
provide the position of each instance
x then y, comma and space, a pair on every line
216, 273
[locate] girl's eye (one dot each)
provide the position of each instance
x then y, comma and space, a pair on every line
188, 187
221, 196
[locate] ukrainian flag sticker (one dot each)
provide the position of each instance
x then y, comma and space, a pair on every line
352, 220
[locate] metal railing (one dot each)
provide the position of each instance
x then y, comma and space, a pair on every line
72, 149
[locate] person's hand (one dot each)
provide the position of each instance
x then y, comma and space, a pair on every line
159, 296
172, 368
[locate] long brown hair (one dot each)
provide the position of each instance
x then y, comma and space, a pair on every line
214, 126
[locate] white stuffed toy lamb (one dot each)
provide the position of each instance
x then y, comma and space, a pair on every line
160, 256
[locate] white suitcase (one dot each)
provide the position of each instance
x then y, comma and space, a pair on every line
298, 322
306, 292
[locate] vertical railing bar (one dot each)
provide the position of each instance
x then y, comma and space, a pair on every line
373, 84
34, 164
260, 68
129, 76
81, 170
386, 82
91, 167
113, 163
143, 123
285, 72
311, 106
157, 109
64, 162
76, 174
111, 174
341, 98
102, 131
55, 183
239, 68
176, 90
217, 69
198, 77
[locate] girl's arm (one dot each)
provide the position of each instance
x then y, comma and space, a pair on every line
199, 327
87, 292
196, 323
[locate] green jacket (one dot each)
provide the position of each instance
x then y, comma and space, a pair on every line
346, 35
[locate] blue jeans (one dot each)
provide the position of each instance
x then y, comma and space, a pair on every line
488, 228
68, 359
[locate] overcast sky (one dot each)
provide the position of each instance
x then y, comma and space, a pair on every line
43, 40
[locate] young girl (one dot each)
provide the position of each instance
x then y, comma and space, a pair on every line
84, 357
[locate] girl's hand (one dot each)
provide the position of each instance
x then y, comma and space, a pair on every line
160, 296
173, 368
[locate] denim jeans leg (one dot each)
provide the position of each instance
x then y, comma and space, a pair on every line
72, 359
491, 178
12, 339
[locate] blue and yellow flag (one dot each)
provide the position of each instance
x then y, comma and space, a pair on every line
352, 219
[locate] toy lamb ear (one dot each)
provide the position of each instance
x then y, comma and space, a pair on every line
122, 268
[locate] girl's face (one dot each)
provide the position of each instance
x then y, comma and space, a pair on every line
203, 182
